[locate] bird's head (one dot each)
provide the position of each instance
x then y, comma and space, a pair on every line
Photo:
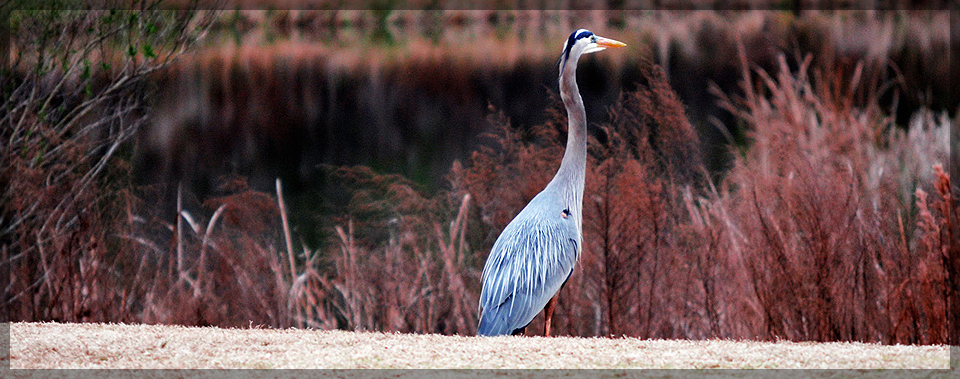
582, 42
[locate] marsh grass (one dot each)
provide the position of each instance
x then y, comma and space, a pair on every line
832, 223
74, 94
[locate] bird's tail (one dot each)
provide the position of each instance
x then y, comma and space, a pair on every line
492, 325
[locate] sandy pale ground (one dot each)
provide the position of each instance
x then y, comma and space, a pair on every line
107, 346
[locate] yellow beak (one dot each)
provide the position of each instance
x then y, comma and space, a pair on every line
609, 43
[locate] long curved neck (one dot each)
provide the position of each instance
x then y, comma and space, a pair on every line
570, 177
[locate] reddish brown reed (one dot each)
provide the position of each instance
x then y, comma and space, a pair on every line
407, 272
821, 223
826, 228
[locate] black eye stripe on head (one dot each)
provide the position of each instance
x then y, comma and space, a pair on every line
570, 42
581, 33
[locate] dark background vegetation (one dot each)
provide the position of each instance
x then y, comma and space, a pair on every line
752, 174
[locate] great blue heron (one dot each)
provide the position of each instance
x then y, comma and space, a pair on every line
535, 254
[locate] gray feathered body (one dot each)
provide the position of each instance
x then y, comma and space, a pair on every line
533, 257
535, 254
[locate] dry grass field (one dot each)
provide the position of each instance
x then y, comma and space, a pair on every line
118, 346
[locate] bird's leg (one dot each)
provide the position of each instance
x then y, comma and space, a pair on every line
548, 314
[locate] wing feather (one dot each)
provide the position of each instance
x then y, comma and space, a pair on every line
527, 265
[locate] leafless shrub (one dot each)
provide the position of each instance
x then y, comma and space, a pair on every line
71, 101
819, 200
409, 270
939, 263
217, 271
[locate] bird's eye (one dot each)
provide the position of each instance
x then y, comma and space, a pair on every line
593, 39
565, 213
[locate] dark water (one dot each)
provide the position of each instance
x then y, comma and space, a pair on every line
281, 113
